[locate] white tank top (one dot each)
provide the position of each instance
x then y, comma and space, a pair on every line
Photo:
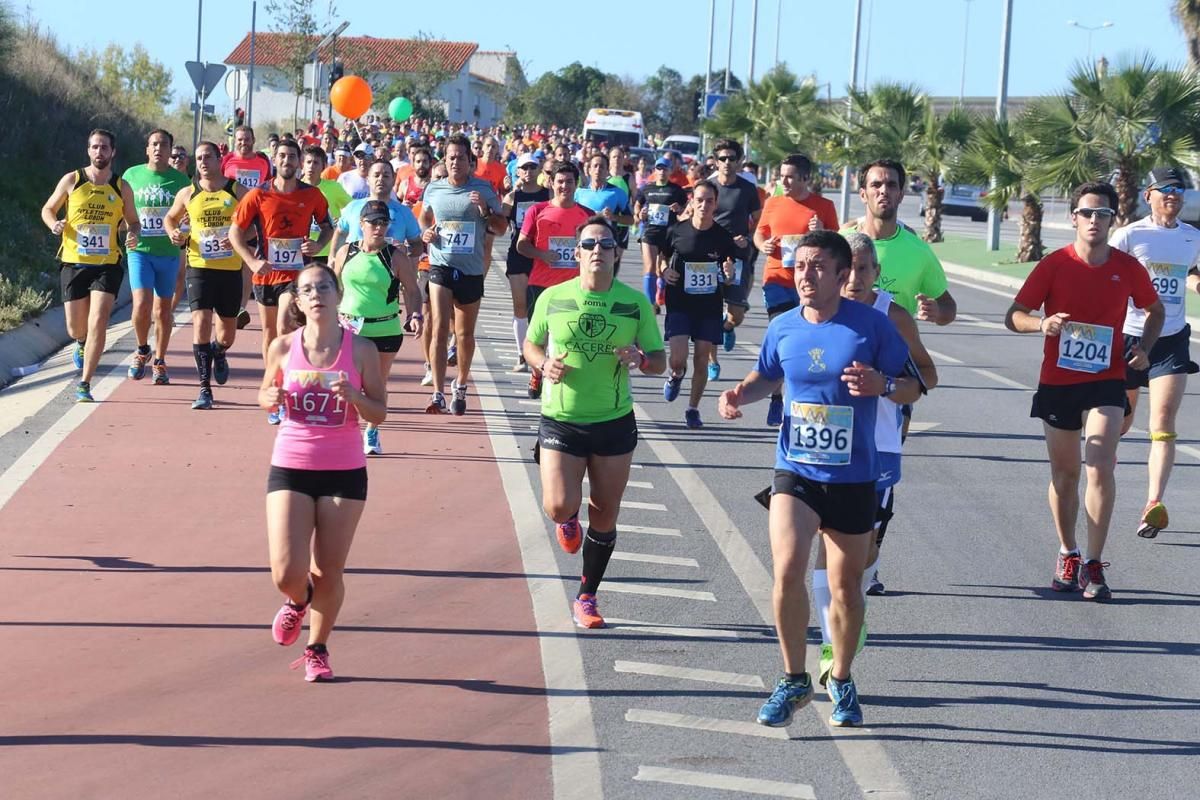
889, 421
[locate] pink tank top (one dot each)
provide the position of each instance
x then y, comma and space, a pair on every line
319, 431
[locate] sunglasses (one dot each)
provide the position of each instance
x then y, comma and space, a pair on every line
1170, 189
1088, 213
724, 159
605, 244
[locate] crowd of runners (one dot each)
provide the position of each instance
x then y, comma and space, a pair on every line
347, 241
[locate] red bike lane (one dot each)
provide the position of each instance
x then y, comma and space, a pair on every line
138, 653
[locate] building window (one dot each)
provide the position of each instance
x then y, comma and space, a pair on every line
458, 106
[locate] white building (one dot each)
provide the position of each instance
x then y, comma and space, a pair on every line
468, 96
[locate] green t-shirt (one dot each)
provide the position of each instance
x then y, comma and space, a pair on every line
367, 293
337, 198
908, 267
153, 194
585, 327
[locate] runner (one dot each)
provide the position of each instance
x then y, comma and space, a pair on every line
658, 205
154, 263
354, 181
373, 271
251, 169
214, 271
1085, 289
457, 212
835, 357
524, 195
179, 161
311, 168
621, 175
402, 231
90, 275
585, 336
317, 487
699, 255
548, 236
606, 198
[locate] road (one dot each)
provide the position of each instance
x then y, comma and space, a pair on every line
977, 680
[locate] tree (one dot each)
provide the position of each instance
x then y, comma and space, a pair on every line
623, 92
138, 81
564, 97
422, 85
1121, 123
780, 114
669, 103
1187, 16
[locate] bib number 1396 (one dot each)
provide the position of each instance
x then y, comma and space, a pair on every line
821, 434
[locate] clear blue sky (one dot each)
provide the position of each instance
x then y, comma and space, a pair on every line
919, 41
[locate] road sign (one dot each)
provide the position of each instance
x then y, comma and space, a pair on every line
235, 84
711, 101
207, 108
204, 76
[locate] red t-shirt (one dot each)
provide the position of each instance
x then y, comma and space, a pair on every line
785, 217
543, 221
1096, 299
282, 221
824, 209
493, 172
250, 172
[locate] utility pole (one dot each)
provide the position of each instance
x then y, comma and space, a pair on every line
993, 225
849, 103
729, 50
199, 98
712, 18
250, 97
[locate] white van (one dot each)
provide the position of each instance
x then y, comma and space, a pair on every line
615, 126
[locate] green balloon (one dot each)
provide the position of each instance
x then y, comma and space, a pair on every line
400, 109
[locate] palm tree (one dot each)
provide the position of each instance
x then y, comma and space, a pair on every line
1187, 15
1121, 123
780, 113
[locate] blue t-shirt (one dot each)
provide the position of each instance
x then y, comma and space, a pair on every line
402, 227
827, 435
607, 196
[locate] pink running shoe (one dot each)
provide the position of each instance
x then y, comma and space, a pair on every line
568, 534
286, 627
585, 613
316, 665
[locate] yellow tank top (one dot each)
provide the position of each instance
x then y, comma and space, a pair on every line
94, 212
211, 215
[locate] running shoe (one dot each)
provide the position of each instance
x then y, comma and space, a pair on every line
137, 369
316, 665
714, 371
691, 418
660, 293
77, 355
520, 366
428, 379
286, 627
220, 364
671, 387
459, 404
1066, 573
787, 697
844, 696
275, 417
243, 318
875, 587
452, 356
729, 339
371, 445
1154, 520
535, 384
83, 393
437, 404
569, 535
204, 401
159, 370
775, 412
584, 612
826, 664
1092, 582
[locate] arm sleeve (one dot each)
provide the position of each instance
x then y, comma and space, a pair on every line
649, 337
1036, 287
768, 364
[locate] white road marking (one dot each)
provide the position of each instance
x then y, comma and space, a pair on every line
1009, 294
630, 484
646, 529
710, 780
979, 322
528, 402
648, 558
634, 504
662, 629
998, 378
713, 724
658, 591
921, 427
942, 357
690, 674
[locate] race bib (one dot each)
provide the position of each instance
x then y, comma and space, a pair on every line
457, 237
787, 250
352, 324
821, 434
701, 277
210, 243
520, 213
1170, 281
658, 215
1085, 348
563, 248
284, 254
151, 219
313, 402
250, 178
93, 240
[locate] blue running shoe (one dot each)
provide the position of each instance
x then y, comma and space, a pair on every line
714, 371
671, 388
729, 339
220, 364
844, 696
371, 445
274, 417
775, 412
452, 356
77, 356
204, 401
137, 368
783, 702
692, 418
83, 393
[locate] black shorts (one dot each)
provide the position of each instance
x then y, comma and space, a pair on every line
386, 344
467, 289
1062, 407
782, 308
622, 237
655, 237
517, 264
423, 284
79, 281
532, 293
697, 327
1169, 356
843, 507
218, 290
612, 438
350, 484
269, 295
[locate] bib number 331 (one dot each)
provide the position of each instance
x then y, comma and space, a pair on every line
821, 434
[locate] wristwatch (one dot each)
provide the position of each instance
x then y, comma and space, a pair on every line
889, 386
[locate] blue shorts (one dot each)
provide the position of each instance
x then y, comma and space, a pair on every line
889, 471
696, 328
775, 296
153, 272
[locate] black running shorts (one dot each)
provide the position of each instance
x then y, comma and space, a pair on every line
843, 507
615, 437
350, 484
218, 290
467, 289
1063, 407
78, 281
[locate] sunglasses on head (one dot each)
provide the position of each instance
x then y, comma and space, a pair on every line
1088, 213
1170, 189
605, 244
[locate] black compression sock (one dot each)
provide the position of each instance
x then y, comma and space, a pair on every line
204, 359
319, 647
144, 349
597, 550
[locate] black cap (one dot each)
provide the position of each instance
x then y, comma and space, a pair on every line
1165, 176
375, 210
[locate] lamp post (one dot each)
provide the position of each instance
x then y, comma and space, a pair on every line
993, 223
962, 81
845, 206
1089, 29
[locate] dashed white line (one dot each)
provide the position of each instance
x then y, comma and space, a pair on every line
629, 484
663, 629
713, 724
998, 378
649, 558
658, 591
690, 674
638, 504
709, 780
942, 357
646, 529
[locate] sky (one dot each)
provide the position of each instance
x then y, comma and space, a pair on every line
911, 41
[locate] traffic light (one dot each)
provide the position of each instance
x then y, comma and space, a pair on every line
699, 98
336, 72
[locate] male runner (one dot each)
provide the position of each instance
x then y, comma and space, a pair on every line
251, 169
835, 357
354, 181
586, 334
1169, 250
621, 175
457, 212
154, 263
602, 197
312, 166
658, 204
402, 231
1085, 289
90, 274
525, 193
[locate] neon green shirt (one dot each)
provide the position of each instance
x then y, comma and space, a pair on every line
908, 267
337, 198
585, 327
153, 194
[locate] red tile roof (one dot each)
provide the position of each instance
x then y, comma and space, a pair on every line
381, 55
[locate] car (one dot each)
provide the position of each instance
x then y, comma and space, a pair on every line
686, 146
962, 200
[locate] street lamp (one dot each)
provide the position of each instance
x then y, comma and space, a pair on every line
962, 82
1090, 29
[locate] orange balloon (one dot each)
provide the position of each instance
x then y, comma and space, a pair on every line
351, 96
